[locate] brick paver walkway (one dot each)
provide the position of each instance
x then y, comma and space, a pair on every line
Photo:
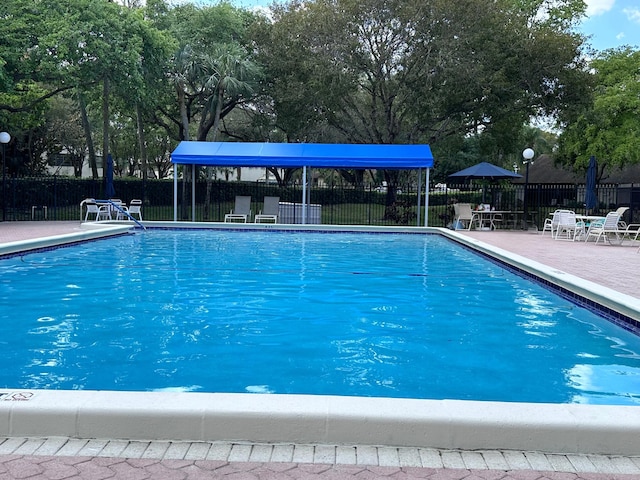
614, 266
59, 458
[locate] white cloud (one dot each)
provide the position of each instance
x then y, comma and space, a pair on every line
632, 14
620, 36
598, 7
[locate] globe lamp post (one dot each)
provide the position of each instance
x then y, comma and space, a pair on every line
527, 154
4, 139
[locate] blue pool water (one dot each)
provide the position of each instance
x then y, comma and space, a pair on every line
274, 312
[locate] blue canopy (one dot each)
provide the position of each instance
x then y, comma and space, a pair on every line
294, 155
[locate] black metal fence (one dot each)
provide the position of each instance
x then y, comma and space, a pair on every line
59, 198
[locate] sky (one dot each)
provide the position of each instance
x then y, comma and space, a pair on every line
609, 23
612, 23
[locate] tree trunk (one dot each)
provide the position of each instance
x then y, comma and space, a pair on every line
105, 125
87, 133
391, 208
184, 117
78, 162
143, 143
207, 198
216, 123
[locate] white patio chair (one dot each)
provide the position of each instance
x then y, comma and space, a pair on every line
101, 212
464, 216
551, 224
135, 208
118, 209
568, 227
92, 209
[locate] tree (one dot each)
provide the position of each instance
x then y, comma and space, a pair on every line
397, 71
462, 152
231, 78
212, 73
211, 52
608, 126
26, 83
63, 45
65, 133
27, 78
139, 101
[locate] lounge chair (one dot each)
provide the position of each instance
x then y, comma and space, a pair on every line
241, 211
607, 230
464, 216
568, 227
621, 211
629, 232
632, 232
270, 211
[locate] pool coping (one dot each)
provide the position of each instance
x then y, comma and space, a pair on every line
316, 419
88, 231
593, 292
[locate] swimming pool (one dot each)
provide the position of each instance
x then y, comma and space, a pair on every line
140, 312
329, 419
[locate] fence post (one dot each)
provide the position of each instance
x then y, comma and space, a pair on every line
55, 197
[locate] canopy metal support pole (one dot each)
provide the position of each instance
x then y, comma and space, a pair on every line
193, 192
304, 195
419, 199
426, 199
175, 192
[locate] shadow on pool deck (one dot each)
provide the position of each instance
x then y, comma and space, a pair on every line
611, 266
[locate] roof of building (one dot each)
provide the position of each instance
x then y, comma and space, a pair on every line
544, 170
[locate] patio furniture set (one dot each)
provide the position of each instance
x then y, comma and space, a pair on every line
483, 217
611, 229
112, 209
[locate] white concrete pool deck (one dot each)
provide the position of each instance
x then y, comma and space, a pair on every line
24, 449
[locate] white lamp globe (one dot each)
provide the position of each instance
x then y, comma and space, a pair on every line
528, 154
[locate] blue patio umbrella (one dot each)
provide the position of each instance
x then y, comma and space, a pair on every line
591, 199
485, 171
109, 189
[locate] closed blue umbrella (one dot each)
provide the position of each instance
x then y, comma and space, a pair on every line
591, 199
109, 189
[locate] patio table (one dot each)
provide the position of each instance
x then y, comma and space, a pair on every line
589, 221
488, 219
589, 218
